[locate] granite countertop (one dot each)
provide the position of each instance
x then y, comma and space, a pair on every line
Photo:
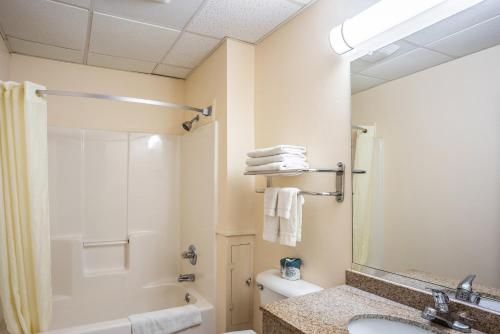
331, 310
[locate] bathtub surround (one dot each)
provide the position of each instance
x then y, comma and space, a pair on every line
25, 278
116, 186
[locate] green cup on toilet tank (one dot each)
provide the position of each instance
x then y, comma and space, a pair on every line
290, 268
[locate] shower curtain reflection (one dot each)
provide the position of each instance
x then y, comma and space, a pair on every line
368, 218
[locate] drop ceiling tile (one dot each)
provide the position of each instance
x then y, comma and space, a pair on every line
78, 3
119, 37
360, 83
190, 49
172, 71
476, 14
246, 20
46, 22
173, 14
473, 39
411, 62
367, 61
119, 63
45, 51
359, 65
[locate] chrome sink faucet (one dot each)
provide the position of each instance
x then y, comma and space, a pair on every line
441, 314
186, 278
464, 291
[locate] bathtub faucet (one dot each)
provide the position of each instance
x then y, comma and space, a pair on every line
186, 278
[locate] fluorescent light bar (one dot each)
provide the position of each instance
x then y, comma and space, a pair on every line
388, 21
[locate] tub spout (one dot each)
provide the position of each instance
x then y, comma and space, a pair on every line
186, 278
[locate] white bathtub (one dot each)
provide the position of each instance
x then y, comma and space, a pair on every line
112, 318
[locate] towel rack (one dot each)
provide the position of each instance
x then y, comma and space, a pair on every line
339, 179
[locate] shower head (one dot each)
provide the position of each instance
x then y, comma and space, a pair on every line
187, 125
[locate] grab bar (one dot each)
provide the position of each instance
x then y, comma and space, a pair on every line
88, 244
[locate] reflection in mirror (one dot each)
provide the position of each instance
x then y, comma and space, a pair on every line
426, 128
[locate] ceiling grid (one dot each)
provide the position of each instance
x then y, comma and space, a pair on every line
167, 38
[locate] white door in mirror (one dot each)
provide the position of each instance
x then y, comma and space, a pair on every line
383, 326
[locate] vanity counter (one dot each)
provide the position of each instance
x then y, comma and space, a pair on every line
330, 311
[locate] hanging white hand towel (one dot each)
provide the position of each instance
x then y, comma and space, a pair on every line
290, 214
280, 149
300, 203
171, 320
271, 219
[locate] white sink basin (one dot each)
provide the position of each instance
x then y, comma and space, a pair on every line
383, 326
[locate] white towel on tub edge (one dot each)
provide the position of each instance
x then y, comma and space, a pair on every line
168, 321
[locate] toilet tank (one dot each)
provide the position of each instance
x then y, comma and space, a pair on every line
273, 287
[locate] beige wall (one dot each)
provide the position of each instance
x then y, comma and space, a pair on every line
99, 114
302, 97
4, 61
240, 135
226, 81
441, 131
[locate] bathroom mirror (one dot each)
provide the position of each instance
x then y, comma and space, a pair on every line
426, 128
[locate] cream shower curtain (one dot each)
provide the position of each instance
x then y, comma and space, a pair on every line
368, 223
25, 271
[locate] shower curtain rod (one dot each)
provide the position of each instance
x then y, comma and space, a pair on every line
44, 92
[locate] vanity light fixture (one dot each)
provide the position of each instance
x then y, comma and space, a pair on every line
388, 21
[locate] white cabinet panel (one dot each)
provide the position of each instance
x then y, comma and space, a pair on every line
241, 291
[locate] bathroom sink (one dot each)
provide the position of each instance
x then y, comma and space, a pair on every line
383, 326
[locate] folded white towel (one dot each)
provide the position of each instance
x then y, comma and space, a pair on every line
280, 149
276, 158
166, 321
278, 166
271, 220
290, 214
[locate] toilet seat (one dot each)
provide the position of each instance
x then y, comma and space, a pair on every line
242, 332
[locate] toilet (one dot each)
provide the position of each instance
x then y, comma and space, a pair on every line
273, 287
